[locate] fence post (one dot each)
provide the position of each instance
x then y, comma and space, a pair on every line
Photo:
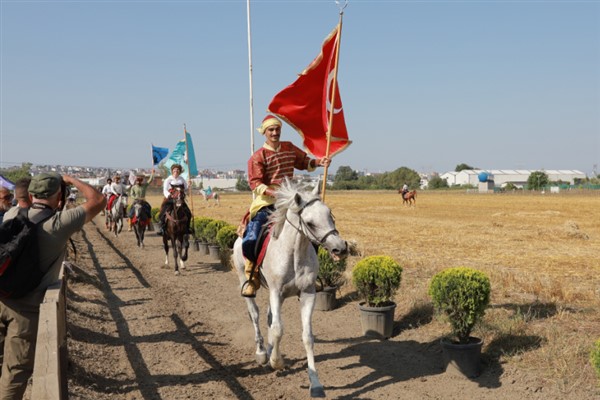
51, 358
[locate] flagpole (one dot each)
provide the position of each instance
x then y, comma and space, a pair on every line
333, 90
187, 164
250, 78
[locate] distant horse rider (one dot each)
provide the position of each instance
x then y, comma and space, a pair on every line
138, 194
174, 180
106, 194
404, 190
267, 168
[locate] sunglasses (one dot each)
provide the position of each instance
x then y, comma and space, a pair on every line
7, 197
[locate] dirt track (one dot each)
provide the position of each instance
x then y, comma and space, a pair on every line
137, 331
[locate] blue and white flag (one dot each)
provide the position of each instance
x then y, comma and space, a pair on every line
8, 184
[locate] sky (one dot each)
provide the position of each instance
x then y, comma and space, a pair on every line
426, 85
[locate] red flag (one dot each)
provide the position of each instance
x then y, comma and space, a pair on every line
306, 103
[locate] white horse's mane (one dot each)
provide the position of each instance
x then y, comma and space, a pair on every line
285, 200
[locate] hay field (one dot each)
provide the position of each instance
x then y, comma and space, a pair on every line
540, 251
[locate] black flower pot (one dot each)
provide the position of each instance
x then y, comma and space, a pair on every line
462, 358
325, 299
377, 321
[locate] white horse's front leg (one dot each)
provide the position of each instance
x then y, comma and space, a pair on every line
275, 330
307, 304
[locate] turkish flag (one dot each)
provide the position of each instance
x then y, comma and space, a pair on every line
306, 103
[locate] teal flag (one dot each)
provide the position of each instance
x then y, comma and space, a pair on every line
178, 156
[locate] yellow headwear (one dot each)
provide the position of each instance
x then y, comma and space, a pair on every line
269, 120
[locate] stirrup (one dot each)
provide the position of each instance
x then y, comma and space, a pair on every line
244, 286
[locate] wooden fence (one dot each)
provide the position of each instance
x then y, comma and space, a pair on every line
50, 369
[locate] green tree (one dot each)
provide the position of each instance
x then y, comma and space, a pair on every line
242, 185
437, 183
537, 180
16, 173
461, 167
345, 173
397, 178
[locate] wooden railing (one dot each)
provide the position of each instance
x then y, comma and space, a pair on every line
50, 369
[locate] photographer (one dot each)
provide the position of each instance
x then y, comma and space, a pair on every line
19, 317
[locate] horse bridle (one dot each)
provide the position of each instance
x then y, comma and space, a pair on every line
304, 228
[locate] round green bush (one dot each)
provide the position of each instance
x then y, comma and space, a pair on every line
595, 357
200, 224
211, 230
154, 213
377, 278
462, 294
227, 236
330, 272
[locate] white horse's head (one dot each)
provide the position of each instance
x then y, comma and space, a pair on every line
306, 212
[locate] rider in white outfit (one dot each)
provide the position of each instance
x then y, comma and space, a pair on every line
174, 179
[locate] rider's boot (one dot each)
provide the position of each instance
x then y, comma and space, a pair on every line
252, 284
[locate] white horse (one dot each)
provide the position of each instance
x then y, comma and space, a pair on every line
300, 221
213, 195
116, 214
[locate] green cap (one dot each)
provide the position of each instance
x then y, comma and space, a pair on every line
45, 185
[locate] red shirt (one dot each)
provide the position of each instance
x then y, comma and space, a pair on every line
269, 167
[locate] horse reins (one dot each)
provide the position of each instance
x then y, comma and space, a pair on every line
304, 227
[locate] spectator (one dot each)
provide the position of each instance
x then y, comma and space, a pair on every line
5, 201
19, 317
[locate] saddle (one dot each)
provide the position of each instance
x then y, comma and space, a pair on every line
262, 244
111, 201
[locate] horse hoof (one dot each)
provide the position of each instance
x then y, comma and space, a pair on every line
277, 364
176, 273
317, 391
261, 358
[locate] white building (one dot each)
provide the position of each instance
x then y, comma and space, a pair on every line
504, 176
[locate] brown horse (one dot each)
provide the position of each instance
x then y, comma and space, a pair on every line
409, 198
176, 229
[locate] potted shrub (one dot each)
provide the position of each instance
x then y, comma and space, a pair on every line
199, 226
462, 294
154, 211
226, 237
377, 278
210, 233
330, 278
595, 358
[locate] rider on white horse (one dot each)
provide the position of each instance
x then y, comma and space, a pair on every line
137, 192
117, 189
174, 179
267, 168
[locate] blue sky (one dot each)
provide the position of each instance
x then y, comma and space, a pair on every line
425, 84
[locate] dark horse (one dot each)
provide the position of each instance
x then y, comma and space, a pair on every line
176, 229
140, 220
409, 198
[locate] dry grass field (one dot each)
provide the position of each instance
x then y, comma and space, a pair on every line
540, 251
